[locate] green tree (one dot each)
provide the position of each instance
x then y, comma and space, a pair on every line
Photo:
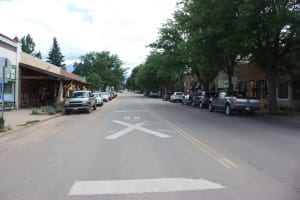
27, 44
130, 82
108, 67
95, 81
55, 56
168, 55
213, 40
38, 55
271, 29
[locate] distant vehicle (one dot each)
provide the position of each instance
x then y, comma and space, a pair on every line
99, 99
82, 100
166, 96
154, 94
201, 99
105, 96
187, 99
113, 94
233, 101
176, 97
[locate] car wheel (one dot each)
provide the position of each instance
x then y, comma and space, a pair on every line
250, 113
66, 112
200, 105
89, 110
227, 110
95, 107
210, 107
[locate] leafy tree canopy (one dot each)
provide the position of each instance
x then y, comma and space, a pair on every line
108, 67
27, 44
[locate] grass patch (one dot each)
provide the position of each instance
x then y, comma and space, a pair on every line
35, 111
286, 110
29, 122
49, 110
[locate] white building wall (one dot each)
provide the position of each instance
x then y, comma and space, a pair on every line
9, 49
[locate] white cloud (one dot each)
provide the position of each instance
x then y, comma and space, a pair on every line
121, 27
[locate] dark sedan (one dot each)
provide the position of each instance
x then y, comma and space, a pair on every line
201, 99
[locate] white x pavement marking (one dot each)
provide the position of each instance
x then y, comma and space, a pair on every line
131, 127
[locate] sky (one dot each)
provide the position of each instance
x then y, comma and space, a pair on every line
122, 27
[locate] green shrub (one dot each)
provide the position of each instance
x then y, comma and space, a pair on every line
35, 111
286, 109
52, 109
57, 108
2, 122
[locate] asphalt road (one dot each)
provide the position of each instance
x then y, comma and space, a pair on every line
136, 147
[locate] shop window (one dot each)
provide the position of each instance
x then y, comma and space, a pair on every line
242, 86
260, 89
296, 90
283, 90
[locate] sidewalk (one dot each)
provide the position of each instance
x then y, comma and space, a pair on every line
16, 119
293, 118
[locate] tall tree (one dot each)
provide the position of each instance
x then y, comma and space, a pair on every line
108, 67
131, 80
95, 81
55, 56
38, 55
213, 40
272, 30
168, 54
27, 44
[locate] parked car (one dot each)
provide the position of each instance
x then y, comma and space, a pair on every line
166, 96
233, 101
99, 99
176, 97
105, 96
82, 100
187, 99
154, 94
201, 99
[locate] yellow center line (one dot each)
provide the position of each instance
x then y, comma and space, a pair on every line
227, 163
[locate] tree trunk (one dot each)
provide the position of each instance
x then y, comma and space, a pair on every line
206, 86
271, 78
229, 71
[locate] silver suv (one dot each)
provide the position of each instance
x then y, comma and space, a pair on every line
82, 100
176, 97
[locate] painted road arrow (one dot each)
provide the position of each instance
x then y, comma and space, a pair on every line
138, 186
131, 127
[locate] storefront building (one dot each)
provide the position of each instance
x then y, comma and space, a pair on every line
42, 83
9, 59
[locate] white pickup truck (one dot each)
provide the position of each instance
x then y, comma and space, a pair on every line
233, 101
82, 100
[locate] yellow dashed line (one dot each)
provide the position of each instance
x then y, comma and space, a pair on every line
201, 146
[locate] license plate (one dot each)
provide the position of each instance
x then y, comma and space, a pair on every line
247, 108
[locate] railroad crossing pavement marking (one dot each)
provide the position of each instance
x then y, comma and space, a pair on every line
131, 127
138, 186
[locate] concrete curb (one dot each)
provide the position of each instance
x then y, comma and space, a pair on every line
287, 119
8, 132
